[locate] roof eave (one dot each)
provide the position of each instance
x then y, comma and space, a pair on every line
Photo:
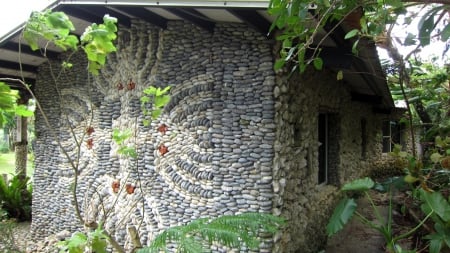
257, 4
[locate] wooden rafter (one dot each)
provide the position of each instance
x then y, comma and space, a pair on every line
194, 17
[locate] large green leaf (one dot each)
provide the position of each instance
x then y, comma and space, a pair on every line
351, 34
434, 201
426, 26
445, 35
410, 40
53, 27
439, 239
99, 245
342, 214
77, 243
279, 63
61, 22
318, 63
161, 101
97, 43
362, 184
22, 110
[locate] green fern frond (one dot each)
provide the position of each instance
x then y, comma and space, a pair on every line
252, 222
234, 231
221, 234
189, 244
194, 225
15, 197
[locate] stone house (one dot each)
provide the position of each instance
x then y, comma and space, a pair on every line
236, 136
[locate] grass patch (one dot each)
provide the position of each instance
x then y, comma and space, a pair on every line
7, 164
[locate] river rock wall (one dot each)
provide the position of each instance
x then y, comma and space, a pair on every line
235, 137
353, 134
210, 152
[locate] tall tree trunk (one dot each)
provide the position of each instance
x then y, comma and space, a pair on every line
21, 144
21, 147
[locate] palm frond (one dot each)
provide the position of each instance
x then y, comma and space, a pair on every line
234, 231
189, 244
228, 236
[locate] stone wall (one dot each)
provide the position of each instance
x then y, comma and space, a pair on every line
235, 137
299, 196
219, 138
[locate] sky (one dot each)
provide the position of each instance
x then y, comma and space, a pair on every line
15, 12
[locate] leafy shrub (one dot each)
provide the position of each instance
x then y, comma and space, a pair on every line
15, 197
96, 240
3, 214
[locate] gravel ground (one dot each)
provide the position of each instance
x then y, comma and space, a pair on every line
14, 237
22, 235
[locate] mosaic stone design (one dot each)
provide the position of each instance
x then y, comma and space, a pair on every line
213, 157
235, 137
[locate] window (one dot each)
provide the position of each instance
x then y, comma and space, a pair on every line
328, 134
392, 134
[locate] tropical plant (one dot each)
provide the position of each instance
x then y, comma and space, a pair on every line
97, 42
429, 86
55, 27
301, 23
9, 106
347, 207
96, 241
119, 137
158, 98
234, 231
436, 206
15, 197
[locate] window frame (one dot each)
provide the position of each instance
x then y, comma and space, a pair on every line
392, 134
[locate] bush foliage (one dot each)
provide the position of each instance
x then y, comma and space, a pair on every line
15, 197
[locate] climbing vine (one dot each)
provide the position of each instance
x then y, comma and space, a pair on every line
158, 98
56, 27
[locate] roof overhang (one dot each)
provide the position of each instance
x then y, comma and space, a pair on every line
260, 4
362, 73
